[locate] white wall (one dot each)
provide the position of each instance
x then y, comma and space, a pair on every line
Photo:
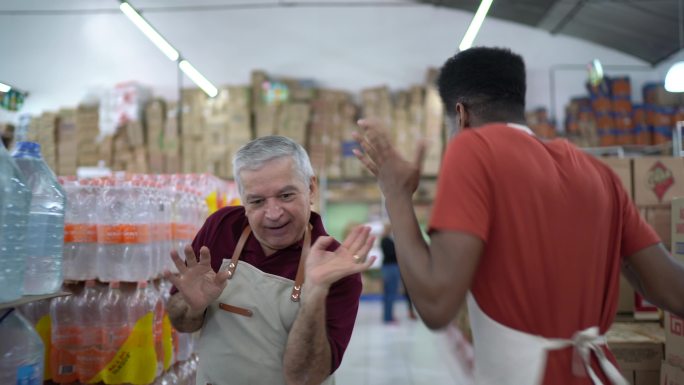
59, 58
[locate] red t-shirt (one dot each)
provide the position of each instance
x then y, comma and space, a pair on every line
555, 223
220, 234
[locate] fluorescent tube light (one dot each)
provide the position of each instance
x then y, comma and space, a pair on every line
198, 78
674, 80
475, 25
4, 87
150, 32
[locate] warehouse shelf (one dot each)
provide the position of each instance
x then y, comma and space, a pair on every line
31, 298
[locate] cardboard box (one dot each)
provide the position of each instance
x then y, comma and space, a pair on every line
647, 377
658, 179
623, 168
637, 346
674, 340
671, 375
660, 218
677, 229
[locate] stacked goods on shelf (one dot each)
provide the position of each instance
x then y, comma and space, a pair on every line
621, 109
122, 229
580, 123
192, 122
46, 128
660, 108
155, 124
87, 132
602, 106
638, 349
673, 365
618, 121
539, 123
653, 183
112, 334
433, 129
331, 112
67, 142
226, 128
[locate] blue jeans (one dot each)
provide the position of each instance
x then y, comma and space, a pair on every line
390, 280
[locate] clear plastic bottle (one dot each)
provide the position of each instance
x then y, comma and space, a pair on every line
65, 338
140, 305
15, 200
111, 209
115, 322
154, 299
89, 319
21, 351
80, 231
45, 234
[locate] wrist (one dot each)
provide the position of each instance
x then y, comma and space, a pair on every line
312, 292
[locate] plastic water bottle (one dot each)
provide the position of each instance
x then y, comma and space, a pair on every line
21, 351
45, 234
114, 322
65, 340
80, 231
15, 199
88, 322
111, 208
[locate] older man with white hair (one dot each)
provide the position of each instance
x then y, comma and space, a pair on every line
274, 296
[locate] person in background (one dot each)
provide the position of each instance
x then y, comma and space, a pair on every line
533, 234
274, 296
391, 278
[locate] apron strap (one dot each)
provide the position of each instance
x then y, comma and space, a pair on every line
238, 251
299, 279
585, 342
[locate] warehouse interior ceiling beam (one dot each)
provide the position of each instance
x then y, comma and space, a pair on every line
646, 29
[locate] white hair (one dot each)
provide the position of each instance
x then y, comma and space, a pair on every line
253, 156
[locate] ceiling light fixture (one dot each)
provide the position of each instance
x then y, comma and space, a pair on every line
674, 80
168, 50
198, 78
5, 88
149, 31
475, 25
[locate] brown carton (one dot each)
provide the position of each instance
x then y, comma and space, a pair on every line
637, 346
658, 179
623, 168
671, 375
674, 340
677, 239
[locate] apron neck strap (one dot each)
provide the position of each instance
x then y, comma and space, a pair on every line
238, 251
306, 247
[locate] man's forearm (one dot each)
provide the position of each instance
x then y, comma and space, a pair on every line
413, 253
182, 318
307, 357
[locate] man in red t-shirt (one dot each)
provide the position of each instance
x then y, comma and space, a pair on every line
532, 233
273, 308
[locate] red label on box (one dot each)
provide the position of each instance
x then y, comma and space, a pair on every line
676, 325
660, 180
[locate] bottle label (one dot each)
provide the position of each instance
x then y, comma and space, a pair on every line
80, 233
109, 234
167, 341
30, 375
43, 328
136, 361
63, 352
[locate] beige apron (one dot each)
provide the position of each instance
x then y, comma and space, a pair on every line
507, 356
245, 330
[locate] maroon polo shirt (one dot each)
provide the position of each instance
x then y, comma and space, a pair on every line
220, 233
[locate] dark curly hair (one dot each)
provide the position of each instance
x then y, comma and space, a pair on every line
490, 82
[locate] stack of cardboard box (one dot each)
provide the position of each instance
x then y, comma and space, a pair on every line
434, 130
538, 121
67, 142
155, 121
672, 371
580, 123
638, 349
330, 115
192, 124
42, 130
87, 132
